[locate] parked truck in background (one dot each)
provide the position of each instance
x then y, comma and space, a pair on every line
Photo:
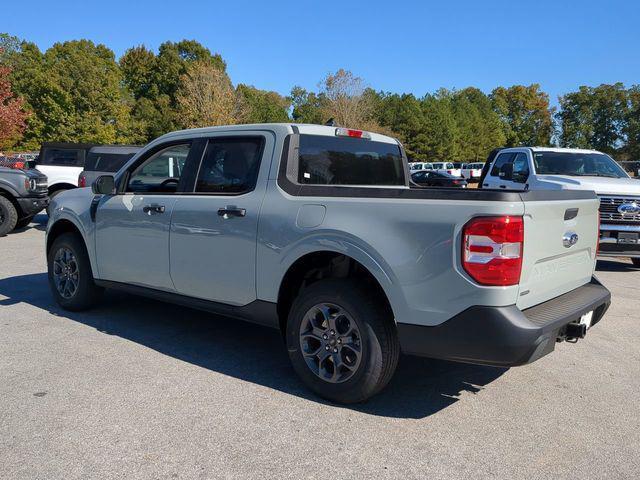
23, 193
544, 169
62, 164
317, 231
471, 171
103, 160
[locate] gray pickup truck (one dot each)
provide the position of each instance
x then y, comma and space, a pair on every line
316, 231
23, 193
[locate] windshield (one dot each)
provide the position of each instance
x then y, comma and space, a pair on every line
577, 164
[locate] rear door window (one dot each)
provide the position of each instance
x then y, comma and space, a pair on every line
325, 160
63, 157
106, 162
230, 165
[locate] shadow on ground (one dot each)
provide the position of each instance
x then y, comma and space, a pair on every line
615, 265
39, 222
421, 387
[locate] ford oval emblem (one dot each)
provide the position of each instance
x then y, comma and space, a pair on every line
629, 208
570, 239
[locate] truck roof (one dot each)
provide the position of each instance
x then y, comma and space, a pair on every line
304, 128
558, 149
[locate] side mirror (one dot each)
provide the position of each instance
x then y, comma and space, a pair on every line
104, 185
506, 171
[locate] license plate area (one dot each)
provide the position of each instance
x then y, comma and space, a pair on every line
627, 238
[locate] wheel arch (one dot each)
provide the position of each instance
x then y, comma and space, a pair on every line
11, 196
320, 264
61, 186
61, 226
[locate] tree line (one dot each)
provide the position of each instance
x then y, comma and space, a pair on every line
78, 91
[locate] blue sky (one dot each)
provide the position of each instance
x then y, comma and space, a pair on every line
397, 46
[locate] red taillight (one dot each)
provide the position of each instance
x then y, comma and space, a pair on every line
492, 250
348, 132
82, 181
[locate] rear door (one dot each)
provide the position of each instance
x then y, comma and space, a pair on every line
132, 227
214, 226
560, 245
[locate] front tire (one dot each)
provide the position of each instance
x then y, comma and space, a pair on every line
70, 275
342, 340
8, 216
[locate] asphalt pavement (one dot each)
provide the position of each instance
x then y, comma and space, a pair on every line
141, 389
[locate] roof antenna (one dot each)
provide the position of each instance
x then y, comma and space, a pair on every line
330, 123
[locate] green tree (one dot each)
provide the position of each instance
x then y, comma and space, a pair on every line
438, 138
525, 113
263, 106
594, 117
307, 106
479, 128
154, 82
74, 91
632, 124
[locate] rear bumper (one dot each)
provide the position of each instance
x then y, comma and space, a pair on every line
32, 205
505, 336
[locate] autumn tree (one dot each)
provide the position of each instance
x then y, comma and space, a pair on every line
12, 114
206, 97
525, 113
154, 82
345, 100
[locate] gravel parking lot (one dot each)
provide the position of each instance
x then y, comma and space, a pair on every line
141, 389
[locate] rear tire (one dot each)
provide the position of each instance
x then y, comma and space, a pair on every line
23, 222
359, 358
8, 216
636, 262
70, 275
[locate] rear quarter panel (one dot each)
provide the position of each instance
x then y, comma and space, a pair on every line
411, 246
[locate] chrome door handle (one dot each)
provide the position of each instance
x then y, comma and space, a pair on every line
232, 212
153, 209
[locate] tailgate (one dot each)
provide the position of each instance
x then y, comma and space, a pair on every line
560, 241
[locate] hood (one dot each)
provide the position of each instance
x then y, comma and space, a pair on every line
601, 185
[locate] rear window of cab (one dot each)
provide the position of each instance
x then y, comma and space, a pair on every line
325, 160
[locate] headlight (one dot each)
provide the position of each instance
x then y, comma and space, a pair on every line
30, 184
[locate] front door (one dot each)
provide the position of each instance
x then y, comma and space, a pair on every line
214, 228
496, 179
132, 227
